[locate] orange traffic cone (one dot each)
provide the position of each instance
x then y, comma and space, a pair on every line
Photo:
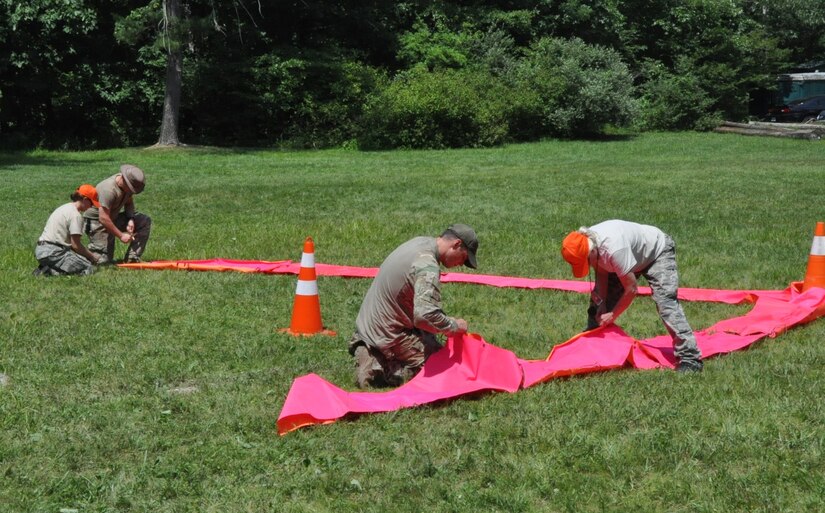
306, 311
815, 275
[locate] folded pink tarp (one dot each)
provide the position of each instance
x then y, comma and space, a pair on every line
345, 271
469, 364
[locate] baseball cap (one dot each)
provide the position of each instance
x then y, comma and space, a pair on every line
575, 248
88, 191
133, 176
468, 236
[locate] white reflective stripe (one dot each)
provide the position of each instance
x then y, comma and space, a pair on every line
307, 259
818, 247
307, 288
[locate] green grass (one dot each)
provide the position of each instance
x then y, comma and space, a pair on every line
159, 391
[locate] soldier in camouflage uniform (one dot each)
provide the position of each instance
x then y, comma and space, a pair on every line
620, 251
401, 314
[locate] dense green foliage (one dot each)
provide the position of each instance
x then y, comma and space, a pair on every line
442, 109
580, 87
158, 391
89, 73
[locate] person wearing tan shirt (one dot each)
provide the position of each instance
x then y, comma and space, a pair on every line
117, 218
59, 250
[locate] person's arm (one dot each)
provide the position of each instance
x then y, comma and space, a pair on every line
631, 288
81, 250
427, 312
105, 218
599, 295
129, 210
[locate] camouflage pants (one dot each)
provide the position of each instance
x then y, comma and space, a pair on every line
102, 243
61, 260
392, 364
663, 278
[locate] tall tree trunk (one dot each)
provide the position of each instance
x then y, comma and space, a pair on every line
174, 72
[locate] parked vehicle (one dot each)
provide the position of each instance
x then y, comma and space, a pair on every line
798, 111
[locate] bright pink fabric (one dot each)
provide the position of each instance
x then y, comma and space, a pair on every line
592, 351
465, 365
469, 364
771, 316
344, 271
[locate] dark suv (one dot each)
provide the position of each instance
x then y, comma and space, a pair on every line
804, 109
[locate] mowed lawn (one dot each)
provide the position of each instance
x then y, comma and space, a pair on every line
158, 391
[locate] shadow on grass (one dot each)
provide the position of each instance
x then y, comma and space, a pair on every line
607, 137
57, 159
614, 137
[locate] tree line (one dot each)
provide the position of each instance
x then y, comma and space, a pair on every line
375, 74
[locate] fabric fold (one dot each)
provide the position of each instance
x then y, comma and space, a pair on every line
469, 364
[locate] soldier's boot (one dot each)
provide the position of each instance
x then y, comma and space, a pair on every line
690, 366
365, 367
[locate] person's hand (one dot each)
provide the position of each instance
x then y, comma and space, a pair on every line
462, 326
606, 318
125, 238
130, 226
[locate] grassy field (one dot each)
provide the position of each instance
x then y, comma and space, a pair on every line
159, 391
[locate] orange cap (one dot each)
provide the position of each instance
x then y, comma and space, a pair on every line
89, 192
575, 248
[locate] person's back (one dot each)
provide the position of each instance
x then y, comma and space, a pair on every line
631, 247
110, 196
388, 308
62, 223
59, 248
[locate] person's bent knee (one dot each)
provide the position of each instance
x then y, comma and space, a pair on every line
103, 258
144, 223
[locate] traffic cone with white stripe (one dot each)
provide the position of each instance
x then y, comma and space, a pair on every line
815, 275
306, 311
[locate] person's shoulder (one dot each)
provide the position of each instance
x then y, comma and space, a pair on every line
67, 209
108, 189
107, 182
425, 261
613, 225
108, 186
421, 240
415, 245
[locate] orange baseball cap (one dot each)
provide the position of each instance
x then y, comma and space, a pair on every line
575, 248
88, 191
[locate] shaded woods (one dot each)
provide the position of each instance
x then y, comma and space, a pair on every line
375, 74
